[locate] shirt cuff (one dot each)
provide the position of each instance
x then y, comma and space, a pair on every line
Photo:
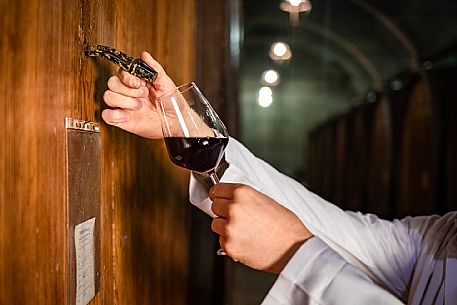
307, 275
198, 193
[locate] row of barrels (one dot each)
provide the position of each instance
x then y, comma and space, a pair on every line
393, 156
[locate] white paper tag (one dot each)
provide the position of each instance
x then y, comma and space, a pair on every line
85, 267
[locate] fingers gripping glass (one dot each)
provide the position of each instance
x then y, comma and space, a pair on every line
193, 132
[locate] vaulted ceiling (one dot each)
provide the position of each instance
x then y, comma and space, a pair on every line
340, 50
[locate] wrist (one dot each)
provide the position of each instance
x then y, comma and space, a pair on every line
290, 253
295, 243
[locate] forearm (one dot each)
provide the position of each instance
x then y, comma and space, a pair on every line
364, 241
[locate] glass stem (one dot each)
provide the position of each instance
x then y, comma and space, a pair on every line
214, 178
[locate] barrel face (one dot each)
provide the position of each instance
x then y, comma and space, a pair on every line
419, 154
139, 200
328, 163
451, 154
328, 168
444, 93
357, 143
309, 160
321, 161
379, 159
340, 151
397, 156
314, 159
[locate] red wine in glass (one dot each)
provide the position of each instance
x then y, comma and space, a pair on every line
194, 153
193, 132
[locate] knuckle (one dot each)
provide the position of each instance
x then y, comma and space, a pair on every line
213, 208
214, 205
107, 96
215, 188
216, 226
122, 74
228, 230
145, 91
245, 187
240, 189
234, 210
229, 246
223, 243
215, 191
213, 226
133, 82
216, 210
137, 92
126, 78
112, 81
229, 212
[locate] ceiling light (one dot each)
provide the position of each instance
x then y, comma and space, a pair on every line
280, 51
270, 77
294, 8
295, 2
265, 98
265, 91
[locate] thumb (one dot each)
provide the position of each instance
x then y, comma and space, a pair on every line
147, 58
163, 82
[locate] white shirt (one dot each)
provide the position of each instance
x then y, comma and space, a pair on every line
354, 259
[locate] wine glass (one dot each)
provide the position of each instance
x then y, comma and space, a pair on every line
193, 132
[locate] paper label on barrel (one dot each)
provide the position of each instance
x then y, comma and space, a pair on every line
85, 265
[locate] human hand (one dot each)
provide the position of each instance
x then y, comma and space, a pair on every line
133, 101
254, 229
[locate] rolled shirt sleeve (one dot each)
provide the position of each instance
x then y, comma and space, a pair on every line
380, 251
316, 274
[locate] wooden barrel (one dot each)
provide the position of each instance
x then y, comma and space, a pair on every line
316, 183
380, 158
355, 171
319, 165
48, 171
443, 84
326, 169
322, 160
328, 162
451, 147
311, 171
418, 154
451, 151
340, 154
398, 97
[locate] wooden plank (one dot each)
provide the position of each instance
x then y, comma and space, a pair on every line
33, 260
144, 226
150, 194
379, 159
356, 159
419, 154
